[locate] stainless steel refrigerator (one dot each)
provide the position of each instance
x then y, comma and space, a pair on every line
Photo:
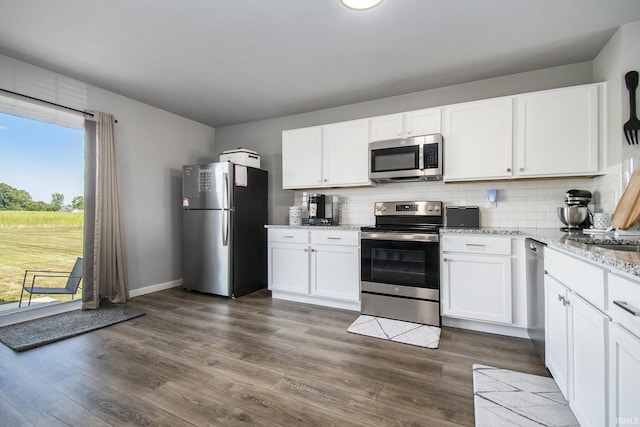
224, 242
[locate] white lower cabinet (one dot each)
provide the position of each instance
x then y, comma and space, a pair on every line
315, 266
589, 328
557, 333
624, 351
624, 376
576, 331
476, 280
289, 267
332, 272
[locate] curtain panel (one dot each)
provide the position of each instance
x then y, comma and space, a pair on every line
105, 275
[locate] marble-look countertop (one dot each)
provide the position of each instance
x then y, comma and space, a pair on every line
576, 243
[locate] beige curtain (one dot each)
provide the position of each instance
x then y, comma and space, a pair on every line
105, 275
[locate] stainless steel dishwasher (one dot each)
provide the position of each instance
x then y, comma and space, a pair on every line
535, 293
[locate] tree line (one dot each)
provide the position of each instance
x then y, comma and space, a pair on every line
12, 199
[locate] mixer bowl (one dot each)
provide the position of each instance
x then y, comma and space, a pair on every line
573, 216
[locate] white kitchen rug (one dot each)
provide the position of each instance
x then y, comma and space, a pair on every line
508, 398
396, 330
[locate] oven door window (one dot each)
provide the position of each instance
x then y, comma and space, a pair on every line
392, 262
395, 159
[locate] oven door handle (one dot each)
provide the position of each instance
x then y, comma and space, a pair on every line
417, 237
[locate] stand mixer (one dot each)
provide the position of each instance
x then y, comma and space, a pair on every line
576, 215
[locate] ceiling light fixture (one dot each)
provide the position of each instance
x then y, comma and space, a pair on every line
360, 4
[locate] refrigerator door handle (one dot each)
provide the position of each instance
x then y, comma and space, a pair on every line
225, 210
225, 196
225, 227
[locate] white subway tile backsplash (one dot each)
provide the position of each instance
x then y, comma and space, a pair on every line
529, 203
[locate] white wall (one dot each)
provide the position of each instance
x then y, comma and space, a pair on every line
151, 147
522, 203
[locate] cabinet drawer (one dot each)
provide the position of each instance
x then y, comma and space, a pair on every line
337, 237
288, 235
627, 293
477, 244
587, 280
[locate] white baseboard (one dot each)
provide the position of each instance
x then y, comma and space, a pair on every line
511, 331
154, 288
325, 302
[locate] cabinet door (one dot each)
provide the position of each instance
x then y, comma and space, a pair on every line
302, 158
624, 376
422, 122
346, 153
588, 330
334, 272
556, 333
478, 140
289, 267
557, 132
477, 287
386, 127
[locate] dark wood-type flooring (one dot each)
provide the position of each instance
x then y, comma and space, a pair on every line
203, 360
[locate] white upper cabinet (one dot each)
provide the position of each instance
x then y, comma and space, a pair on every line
551, 133
406, 125
557, 132
334, 155
345, 153
478, 140
302, 158
386, 127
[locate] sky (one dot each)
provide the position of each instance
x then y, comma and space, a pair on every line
41, 158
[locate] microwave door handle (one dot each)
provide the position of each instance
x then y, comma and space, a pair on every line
406, 179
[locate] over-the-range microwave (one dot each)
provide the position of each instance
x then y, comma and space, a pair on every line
411, 159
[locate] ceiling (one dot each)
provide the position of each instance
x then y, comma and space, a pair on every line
223, 62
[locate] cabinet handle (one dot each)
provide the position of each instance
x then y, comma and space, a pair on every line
508, 169
325, 180
306, 249
521, 169
444, 260
479, 245
334, 238
561, 299
628, 308
566, 302
287, 237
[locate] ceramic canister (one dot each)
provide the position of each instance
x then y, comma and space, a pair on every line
295, 215
601, 221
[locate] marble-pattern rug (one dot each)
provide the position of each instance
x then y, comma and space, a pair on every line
396, 330
508, 398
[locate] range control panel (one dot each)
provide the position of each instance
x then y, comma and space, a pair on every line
408, 208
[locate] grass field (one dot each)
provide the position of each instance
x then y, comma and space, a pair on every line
37, 241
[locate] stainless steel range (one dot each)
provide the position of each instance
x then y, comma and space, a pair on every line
400, 267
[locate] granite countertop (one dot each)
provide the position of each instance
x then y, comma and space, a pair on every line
346, 227
577, 243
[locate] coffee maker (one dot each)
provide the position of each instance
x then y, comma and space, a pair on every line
576, 215
320, 209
